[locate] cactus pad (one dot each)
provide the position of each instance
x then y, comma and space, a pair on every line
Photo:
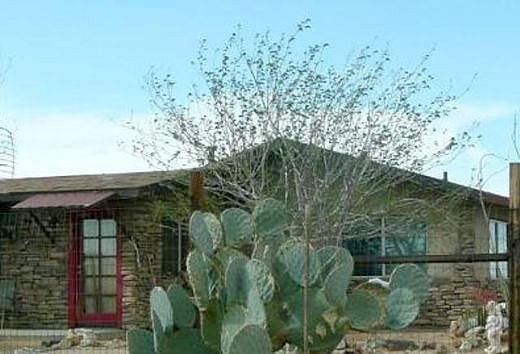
336, 284
236, 281
198, 272
255, 311
139, 341
185, 341
183, 309
238, 227
160, 307
318, 327
205, 231
226, 254
270, 218
260, 276
251, 339
363, 309
234, 319
402, 308
412, 277
331, 257
292, 256
211, 324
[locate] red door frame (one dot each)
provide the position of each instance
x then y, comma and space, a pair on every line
75, 317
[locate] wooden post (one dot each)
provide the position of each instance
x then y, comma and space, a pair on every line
514, 261
197, 190
307, 242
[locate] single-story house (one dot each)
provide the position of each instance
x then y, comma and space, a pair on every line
86, 250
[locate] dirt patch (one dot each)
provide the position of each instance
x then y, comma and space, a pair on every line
26, 345
423, 337
429, 340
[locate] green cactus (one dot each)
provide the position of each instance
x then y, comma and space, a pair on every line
291, 255
270, 218
234, 319
336, 284
402, 308
255, 309
412, 277
225, 255
251, 339
211, 324
253, 303
199, 275
331, 256
206, 232
161, 315
260, 276
364, 310
185, 341
278, 315
183, 308
140, 341
238, 227
325, 322
236, 281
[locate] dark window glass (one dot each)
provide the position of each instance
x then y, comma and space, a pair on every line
174, 244
408, 240
390, 237
365, 247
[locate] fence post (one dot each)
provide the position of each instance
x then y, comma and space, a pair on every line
514, 261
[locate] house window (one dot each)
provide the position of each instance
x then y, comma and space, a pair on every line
8, 225
497, 244
8, 222
174, 238
366, 247
392, 238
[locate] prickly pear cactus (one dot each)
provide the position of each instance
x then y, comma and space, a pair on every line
182, 307
169, 336
238, 227
253, 303
413, 278
205, 231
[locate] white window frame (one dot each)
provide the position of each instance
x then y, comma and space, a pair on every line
497, 243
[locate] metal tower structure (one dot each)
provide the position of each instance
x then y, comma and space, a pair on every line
7, 153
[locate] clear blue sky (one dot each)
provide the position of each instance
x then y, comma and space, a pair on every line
76, 68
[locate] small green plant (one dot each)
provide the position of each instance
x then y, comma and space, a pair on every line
474, 317
247, 276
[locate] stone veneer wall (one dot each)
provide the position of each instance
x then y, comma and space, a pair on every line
448, 301
142, 261
39, 268
450, 297
141, 249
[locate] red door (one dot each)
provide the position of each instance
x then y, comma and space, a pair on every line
94, 273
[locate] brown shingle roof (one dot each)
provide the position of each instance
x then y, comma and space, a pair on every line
86, 182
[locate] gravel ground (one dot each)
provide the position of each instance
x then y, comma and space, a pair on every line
27, 345
434, 336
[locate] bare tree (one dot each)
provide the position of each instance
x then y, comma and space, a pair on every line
271, 120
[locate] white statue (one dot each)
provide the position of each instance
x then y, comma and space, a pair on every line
494, 327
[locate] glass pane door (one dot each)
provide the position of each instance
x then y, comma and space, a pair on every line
99, 295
